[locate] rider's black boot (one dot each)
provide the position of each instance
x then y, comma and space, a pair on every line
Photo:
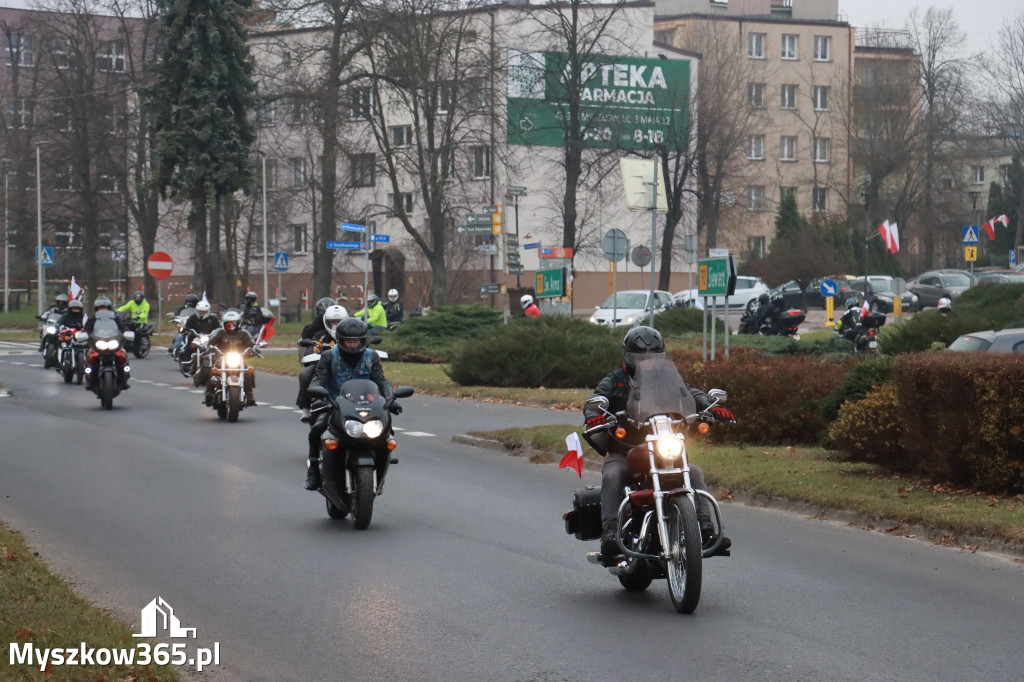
609, 545
313, 474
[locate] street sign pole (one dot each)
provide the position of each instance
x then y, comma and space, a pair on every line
654, 232
515, 205
366, 276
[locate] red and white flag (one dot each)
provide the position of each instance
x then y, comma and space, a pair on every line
74, 290
990, 226
266, 331
891, 235
865, 309
574, 458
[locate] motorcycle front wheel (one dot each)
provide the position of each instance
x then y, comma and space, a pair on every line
684, 563
107, 391
142, 347
68, 371
362, 500
234, 402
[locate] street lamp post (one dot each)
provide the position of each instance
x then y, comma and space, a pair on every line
7, 244
266, 290
867, 237
39, 228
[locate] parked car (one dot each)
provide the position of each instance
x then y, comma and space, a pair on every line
790, 292
879, 289
747, 289
630, 307
935, 284
1001, 277
995, 340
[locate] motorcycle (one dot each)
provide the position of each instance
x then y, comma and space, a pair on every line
657, 527
71, 355
788, 323
48, 337
195, 358
179, 319
143, 331
228, 385
107, 370
862, 331
356, 447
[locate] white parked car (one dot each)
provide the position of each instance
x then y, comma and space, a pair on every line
747, 290
630, 307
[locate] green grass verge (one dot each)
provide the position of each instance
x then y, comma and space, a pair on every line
817, 477
38, 607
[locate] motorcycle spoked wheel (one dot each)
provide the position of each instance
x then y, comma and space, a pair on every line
362, 498
107, 391
234, 403
684, 567
143, 347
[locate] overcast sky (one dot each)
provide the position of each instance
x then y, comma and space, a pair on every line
980, 19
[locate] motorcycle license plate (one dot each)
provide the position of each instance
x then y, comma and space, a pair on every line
872, 344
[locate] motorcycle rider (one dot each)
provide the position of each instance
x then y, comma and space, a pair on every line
74, 317
202, 321
191, 301
315, 329
331, 318
349, 359
530, 308
376, 318
137, 308
231, 335
846, 325
101, 304
252, 314
639, 343
769, 313
59, 307
393, 308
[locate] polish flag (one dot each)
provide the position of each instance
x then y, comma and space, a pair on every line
989, 229
574, 458
865, 310
1002, 219
891, 234
74, 290
266, 331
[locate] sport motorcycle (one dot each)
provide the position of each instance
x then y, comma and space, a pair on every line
657, 528
107, 370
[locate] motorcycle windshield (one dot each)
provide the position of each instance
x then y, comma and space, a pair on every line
105, 329
361, 393
656, 388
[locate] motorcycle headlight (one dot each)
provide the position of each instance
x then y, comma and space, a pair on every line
357, 429
51, 329
234, 360
668, 447
111, 344
203, 339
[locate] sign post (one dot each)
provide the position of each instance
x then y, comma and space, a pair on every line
160, 266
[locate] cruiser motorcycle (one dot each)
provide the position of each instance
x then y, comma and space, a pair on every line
656, 527
231, 381
356, 447
71, 355
48, 337
107, 370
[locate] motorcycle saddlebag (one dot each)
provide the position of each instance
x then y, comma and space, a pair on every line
584, 521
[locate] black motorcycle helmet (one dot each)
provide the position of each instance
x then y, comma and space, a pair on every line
763, 299
191, 301
321, 307
139, 296
640, 343
349, 330
250, 297
778, 301
102, 303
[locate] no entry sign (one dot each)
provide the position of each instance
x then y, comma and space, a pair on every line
160, 265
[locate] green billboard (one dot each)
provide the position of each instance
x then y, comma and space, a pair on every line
625, 102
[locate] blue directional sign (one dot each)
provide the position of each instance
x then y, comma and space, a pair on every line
1013, 257
47, 256
380, 238
532, 245
352, 227
829, 288
280, 260
344, 245
970, 234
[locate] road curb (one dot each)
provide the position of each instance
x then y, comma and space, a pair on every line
464, 439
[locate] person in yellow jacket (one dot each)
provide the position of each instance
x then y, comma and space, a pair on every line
137, 308
376, 316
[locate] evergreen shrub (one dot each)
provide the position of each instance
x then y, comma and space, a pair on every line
550, 352
862, 377
868, 429
433, 337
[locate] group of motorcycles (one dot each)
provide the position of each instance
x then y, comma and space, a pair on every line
99, 360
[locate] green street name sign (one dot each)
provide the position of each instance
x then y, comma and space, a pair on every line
550, 283
625, 102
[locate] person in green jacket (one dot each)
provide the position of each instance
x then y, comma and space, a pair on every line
376, 316
137, 308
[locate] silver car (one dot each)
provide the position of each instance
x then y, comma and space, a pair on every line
935, 284
994, 340
630, 307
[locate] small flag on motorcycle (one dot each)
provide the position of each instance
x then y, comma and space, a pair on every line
574, 458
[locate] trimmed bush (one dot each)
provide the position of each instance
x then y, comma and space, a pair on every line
929, 327
434, 337
552, 351
863, 376
868, 430
679, 321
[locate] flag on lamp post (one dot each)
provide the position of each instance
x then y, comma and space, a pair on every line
891, 235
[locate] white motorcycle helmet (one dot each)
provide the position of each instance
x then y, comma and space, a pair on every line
203, 309
526, 301
231, 320
393, 295
332, 317
945, 305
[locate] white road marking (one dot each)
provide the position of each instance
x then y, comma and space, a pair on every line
417, 434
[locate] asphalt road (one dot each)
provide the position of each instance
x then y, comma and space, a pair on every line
465, 572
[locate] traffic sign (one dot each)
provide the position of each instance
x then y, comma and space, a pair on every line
380, 238
641, 256
280, 260
556, 252
159, 265
970, 253
352, 227
344, 245
47, 259
970, 234
551, 283
479, 218
829, 288
532, 245
516, 269
1013, 258
513, 258
474, 229
614, 245
715, 277
491, 209
490, 288
515, 191
512, 240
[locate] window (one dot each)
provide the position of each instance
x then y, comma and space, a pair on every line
360, 102
401, 203
21, 50
788, 96
478, 91
821, 149
445, 96
62, 51
67, 235
298, 165
110, 56
401, 136
820, 199
362, 169
755, 147
755, 45
114, 122
787, 192
110, 183
755, 95
755, 197
299, 241
446, 163
788, 46
978, 175
787, 148
821, 48
271, 166
947, 183
266, 115
67, 179
820, 97
756, 247
62, 120
481, 162
19, 113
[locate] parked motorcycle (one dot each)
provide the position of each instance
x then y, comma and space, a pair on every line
229, 386
71, 354
48, 337
107, 370
356, 448
657, 527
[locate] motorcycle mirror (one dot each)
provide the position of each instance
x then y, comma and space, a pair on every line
316, 392
597, 402
403, 391
718, 394
82, 336
374, 340
306, 343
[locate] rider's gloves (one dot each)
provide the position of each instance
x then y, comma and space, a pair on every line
318, 403
597, 420
722, 414
395, 408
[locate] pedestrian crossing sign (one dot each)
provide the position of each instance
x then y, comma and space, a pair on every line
970, 234
45, 257
281, 260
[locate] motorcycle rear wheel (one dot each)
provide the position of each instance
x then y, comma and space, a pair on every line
234, 403
80, 370
107, 391
684, 566
68, 371
362, 499
334, 512
638, 581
